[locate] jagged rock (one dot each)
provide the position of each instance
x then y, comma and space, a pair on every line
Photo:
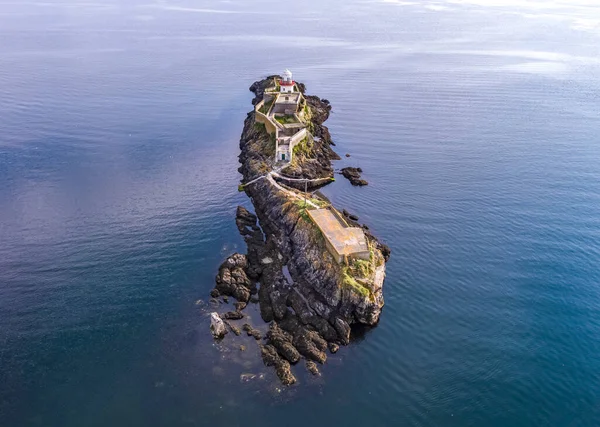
282, 341
215, 293
217, 326
269, 355
333, 347
232, 279
312, 368
347, 155
282, 367
353, 175
343, 330
309, 349
239, 306
233, 315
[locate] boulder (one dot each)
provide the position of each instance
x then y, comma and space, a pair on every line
353, 175
233, 315
282, 341
217, 326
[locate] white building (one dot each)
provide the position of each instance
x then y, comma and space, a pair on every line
287, 84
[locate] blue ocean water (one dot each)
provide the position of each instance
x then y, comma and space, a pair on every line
476, 123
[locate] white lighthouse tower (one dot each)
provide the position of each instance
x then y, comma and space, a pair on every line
287, 84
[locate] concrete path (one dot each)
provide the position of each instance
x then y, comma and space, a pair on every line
289, 192
275, 172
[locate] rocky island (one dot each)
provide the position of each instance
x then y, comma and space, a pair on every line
313, 270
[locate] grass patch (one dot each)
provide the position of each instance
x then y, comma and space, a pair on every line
351, 283
303, 149
286, 119
266, 106
363, 268
260, 127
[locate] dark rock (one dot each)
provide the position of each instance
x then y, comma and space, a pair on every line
312, 368
305, 345
333, 347
233, 315
282, 367
282, 341
353, 175
239, 306
385, 250
353, 217
284, 372
343, 330
232, 279
215, 293
347, 155
269, 355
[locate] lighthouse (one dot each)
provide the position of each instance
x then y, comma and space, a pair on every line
287, 84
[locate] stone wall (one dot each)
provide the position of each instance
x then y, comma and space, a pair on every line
262, 118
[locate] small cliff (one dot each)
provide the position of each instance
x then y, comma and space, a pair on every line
310, 299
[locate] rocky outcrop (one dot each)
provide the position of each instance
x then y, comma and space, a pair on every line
309, 298
232, 279
354, 176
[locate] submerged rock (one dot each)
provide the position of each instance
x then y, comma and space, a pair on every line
250, 331
312, 368
233, 328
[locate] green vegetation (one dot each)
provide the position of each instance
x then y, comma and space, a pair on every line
260, 127
351, 283
303, 148
286, 119
363, 268
359, 272
266, 106
241, 187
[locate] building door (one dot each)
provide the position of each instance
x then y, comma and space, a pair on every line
283, 157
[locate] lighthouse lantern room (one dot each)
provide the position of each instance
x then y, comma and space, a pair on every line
287, 84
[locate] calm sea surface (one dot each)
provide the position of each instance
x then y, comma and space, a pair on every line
477, 124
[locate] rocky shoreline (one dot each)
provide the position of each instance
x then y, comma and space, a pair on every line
308, 298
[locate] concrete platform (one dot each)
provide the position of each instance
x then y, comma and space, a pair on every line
342, 241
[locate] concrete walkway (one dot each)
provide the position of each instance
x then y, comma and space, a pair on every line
275, 173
